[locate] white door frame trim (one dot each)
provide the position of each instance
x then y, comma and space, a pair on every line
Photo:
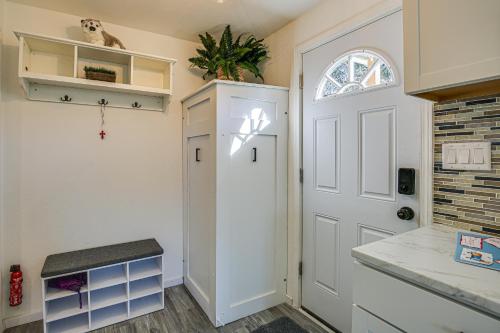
386, 8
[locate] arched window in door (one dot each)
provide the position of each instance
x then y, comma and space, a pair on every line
355, 72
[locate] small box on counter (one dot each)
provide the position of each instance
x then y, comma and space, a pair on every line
478, 250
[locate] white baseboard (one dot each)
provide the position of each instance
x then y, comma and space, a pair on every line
22, 319
173, 282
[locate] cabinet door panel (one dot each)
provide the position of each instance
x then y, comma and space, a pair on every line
450, 43
466, 23
364, 322
199, 213
252, 193
413, 309
455, 47
251, 216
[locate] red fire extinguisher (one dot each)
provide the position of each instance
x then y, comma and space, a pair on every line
16, 285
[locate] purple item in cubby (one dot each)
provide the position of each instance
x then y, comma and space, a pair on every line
73, 282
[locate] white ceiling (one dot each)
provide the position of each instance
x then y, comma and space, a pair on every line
185, 18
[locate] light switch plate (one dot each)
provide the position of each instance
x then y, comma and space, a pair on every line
467, 156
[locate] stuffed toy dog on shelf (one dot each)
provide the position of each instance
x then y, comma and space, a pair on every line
95, 34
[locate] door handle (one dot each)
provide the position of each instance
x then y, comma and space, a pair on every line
254, 154
197, 153
406, 213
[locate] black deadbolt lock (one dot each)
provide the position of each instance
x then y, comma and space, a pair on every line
406, 181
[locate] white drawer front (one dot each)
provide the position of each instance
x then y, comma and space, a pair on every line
363, 322
415, 310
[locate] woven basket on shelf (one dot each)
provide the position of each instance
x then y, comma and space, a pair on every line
89, 75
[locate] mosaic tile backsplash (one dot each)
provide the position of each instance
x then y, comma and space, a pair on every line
468, 199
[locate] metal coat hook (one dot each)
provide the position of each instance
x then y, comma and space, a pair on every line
136, 105
102, 102
66, 98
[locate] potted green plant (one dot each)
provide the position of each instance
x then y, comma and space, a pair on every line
99, 73
228, 59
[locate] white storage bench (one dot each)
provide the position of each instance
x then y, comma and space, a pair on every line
123, 281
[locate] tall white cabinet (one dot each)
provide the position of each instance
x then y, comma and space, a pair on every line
235, 179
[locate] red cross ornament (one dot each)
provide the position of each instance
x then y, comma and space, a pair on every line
102, 134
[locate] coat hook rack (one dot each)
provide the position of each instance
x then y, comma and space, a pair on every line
66, 98
94, 98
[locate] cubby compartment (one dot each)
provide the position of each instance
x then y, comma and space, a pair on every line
118, 62
145, 287
108, 315
74, 324
147, 304
153, 73
47, 57
104, 297
107, 276
66, 307
144, 268
55, 293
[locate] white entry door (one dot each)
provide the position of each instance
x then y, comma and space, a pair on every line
359, 128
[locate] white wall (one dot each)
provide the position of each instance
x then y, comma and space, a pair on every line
65, 189
325, 16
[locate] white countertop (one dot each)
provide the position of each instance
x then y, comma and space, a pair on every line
425, 257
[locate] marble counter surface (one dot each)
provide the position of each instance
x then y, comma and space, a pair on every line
425, 257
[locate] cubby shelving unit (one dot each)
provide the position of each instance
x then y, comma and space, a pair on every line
51, 68
113, 294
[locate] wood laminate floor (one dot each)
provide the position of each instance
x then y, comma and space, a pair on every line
183, 314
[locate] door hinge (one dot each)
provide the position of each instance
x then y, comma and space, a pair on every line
300, 268
301, 81
301, 175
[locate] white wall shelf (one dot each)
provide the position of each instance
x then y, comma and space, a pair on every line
110, 296
48, 63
